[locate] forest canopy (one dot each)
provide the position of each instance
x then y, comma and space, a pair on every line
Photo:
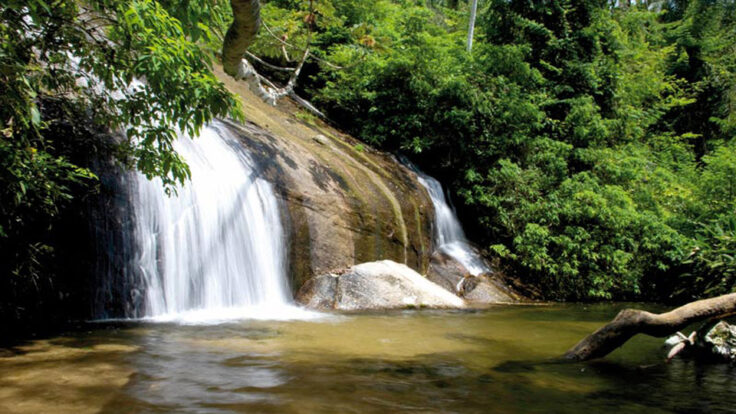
589, 145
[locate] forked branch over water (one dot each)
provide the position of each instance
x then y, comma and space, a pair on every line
630, 322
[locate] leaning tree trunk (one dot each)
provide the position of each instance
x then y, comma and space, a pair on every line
241, 34
630, 322
471, 24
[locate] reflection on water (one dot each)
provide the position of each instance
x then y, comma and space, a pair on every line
501, 360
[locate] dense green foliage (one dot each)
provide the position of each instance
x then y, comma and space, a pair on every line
590, 145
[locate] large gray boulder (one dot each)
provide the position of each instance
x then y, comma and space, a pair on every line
375, 285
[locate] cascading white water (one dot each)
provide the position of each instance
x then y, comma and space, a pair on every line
450, 236
216, 251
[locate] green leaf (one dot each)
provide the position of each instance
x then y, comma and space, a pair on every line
35, 116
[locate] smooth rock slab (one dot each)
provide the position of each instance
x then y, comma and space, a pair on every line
375, 285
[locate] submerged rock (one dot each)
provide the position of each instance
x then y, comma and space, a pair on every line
375, 285
453, 277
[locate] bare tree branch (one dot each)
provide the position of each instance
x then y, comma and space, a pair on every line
630, 322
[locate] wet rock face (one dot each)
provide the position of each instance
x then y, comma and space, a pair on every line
319, 292
445, 271
375, 285
344, 203
452, 276
341, 209
488, 290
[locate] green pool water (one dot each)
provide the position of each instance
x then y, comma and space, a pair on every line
498, 360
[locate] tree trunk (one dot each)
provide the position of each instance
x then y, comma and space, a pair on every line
241, 34
471, 27
630, 322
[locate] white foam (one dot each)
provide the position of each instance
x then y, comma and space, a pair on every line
214, 316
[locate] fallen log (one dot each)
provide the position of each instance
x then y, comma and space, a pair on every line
630, 322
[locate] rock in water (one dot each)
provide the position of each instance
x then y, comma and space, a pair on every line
319, 292
375, 285
487, 290
679, 343
719, 342
713, 341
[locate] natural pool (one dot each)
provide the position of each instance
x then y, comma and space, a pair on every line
499, 360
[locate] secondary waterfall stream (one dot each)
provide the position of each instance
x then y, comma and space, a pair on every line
450, 237
216, 250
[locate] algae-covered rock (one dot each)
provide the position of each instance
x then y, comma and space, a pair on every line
376, 285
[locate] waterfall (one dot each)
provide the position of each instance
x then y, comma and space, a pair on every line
216, 250
449, 234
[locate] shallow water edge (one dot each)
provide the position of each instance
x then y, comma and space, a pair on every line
502, 359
